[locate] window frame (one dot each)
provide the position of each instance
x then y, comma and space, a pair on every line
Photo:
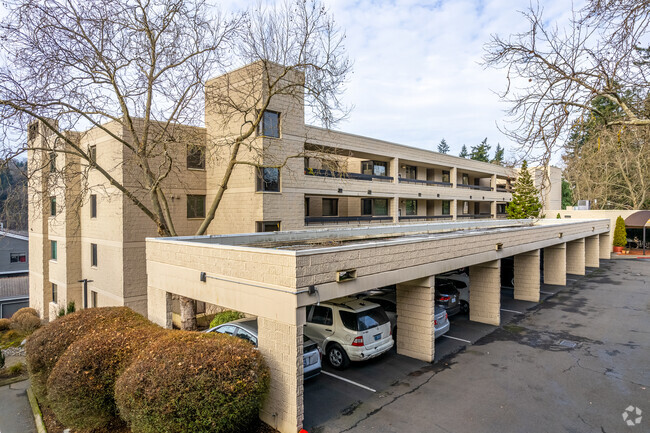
93, 205
448, 207
261, 127
54, 292
52, 157
330, 200
191, 151
260, 226
410, 170
52, 205
261, 183
463, 177
92, 153
93, 299
465, 208
54, 250
414, 210
93, 255
200, 215
18, 256
446, 173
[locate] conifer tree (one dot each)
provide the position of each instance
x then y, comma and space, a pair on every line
498, 155
620, 234
481, 152
525, 201
443, 147
463, 152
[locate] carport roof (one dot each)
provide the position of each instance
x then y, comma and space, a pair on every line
638, 219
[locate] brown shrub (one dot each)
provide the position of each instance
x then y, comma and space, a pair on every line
25, 310
80, 387
47, 344
187, 381
4, 324
25, 323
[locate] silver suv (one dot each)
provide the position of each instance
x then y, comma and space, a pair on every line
349, 329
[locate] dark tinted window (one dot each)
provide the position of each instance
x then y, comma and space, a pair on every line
196, 206
271, 124
320, 315
195, 157
268, 179
388, 306
228, 329
245, 335
363, 320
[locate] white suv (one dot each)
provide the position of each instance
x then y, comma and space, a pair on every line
349, 329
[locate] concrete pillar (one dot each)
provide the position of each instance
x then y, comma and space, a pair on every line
453, 176
415, 315
527, 276
453, 205
575, 257
394, 169
159, 307
281, 345
592, 251
555, 264
493, 182
493, 209
485, 295
605, 245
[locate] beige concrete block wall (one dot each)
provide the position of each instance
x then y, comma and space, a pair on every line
592, 251
415, 316
281, 345
485, 297
605, 245
595, 214
555, 265
575, 257
159, 307
527, 275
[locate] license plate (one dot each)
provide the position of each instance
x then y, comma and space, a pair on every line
377, 337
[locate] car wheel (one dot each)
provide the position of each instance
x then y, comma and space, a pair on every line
464, 307
337, 357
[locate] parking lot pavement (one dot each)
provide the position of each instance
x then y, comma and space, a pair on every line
574, 362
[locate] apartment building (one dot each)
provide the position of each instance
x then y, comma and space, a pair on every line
87, 239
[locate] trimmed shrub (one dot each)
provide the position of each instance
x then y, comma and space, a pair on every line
80, 387
194, 382
71, 308
47, 344
620, 235
25, 323
25, 310
4, 324
225, 317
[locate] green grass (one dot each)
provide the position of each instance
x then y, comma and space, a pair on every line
11, 338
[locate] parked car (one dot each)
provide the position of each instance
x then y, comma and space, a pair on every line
387, 299
447, 296
349, 329
460, 281
246, 329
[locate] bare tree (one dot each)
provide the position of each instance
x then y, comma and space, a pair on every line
554, 74
137, 71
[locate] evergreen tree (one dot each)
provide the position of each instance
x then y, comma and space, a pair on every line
567, 194
620, 234
525, 201
463, 152
498, 155
481, 152
443, 147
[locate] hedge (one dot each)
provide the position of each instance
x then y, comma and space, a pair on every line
46, 345
225, 317
193, 382
4, 324
80, 387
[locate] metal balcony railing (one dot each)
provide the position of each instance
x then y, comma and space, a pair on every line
426, 182
342, 175
478, 187
425, 217
347, 220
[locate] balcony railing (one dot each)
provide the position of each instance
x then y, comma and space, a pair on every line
426, 182
347, 220
342, 175
475, 216
502, 216
500, 189
425, 217
479, 187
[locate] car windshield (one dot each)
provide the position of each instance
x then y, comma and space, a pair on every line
363, 320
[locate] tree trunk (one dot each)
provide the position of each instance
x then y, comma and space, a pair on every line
188, 313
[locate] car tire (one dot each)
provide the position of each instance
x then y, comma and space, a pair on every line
337, 358
464, 307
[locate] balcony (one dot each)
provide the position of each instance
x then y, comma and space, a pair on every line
502, 189
347, 220
426, 217
502, 216
478, 187
342, 175
426, 182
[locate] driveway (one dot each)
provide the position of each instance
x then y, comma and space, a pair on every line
15, 412
573, 363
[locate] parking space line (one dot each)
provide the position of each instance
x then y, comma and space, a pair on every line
456, 338
348, 381
512, 311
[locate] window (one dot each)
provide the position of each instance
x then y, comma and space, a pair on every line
411, 172
319, 315
267, 226
195, 206
93, 299
377, 168
53, 206
268, 179
52, 162
270, 126
228, 329
195, 157
380, 206
465, 179
446, 207
465, 207
93, 206
501, 208
53, 252
330, 207
93, 255
245, 335
411, 207
54, 293
445, 176
366, 206
17, 258
32, 131
92, 153
306, 206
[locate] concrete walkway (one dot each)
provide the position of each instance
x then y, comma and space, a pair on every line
15, 412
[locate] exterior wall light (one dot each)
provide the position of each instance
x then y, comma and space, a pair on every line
499, 246
347, 275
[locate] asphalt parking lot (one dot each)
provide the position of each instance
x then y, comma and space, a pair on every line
395, 393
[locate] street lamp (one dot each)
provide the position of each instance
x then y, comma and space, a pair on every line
85, 281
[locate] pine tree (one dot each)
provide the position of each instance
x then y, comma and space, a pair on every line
463, 152
498, 155
525, 201
481, 152
443, 147
620, 234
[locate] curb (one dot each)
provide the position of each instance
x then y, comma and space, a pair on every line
38, 416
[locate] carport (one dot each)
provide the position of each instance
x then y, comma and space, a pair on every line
639, 220
274, 276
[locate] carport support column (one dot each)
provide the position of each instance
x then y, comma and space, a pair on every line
575, 257
415, 315
281, 346
592, 251
605, 245
527, 276
555, 265
485, 294
159, 307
